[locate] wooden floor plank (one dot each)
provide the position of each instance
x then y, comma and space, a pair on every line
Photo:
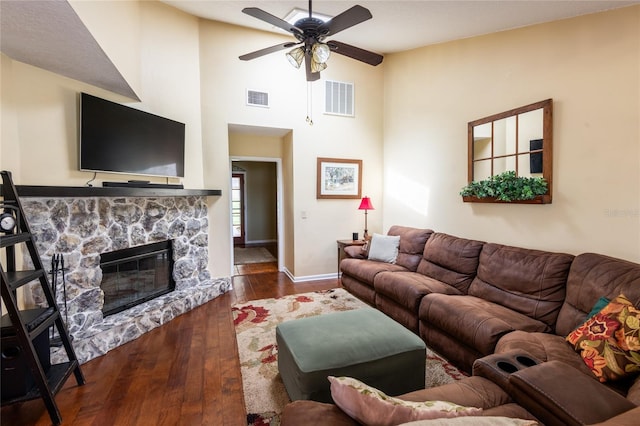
185, 372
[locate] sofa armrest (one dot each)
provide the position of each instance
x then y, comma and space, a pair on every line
356, 252
499, 367
558, 394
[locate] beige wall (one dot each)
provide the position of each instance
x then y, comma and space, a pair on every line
589, 65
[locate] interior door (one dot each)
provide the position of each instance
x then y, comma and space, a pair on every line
237, 208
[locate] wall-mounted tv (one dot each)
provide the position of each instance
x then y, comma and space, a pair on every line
119, 139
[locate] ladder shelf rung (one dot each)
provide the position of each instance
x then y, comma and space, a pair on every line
35, 321
42, 322
56, 376
13, 239
19, 278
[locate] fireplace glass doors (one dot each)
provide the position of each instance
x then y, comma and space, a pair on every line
134, 275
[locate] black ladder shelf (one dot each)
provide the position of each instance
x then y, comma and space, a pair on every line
27, 325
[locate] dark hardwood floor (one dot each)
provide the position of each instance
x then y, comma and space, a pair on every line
185, 372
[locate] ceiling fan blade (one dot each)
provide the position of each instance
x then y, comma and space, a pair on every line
355, 53
266, 51
271, 19
346, 19
311, 76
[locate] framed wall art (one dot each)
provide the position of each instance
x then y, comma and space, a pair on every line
339, 178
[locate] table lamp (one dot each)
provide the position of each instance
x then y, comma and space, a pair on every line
365, 205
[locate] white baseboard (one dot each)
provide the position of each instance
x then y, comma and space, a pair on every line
309, 277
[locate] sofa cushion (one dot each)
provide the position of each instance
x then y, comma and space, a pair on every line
371, 406
384, 248
475, 322
412, 241
365, 270
593, 276
408, 288
452, 260
531, 282
608, 342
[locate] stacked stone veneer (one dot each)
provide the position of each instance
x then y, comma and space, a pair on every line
82, 228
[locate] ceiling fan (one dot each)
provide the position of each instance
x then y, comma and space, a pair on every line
310, 34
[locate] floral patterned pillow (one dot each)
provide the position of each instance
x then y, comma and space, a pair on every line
372, 407
609, 341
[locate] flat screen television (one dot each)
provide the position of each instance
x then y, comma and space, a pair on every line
119, 139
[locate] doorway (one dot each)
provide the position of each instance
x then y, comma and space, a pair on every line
255, 215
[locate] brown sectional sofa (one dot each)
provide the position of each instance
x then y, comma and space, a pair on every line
483, 306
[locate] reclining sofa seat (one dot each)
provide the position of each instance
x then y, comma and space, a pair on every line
448, 266
514, 289
358, 273
591, 276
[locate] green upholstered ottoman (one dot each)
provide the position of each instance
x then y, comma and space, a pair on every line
363, 343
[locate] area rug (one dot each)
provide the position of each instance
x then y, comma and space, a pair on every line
244, 255
255, 323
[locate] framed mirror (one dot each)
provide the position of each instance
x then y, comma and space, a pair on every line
519, 140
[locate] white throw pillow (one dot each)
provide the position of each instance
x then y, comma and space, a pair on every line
384, 248
372, 407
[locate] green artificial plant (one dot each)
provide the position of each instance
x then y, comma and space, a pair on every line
506, 187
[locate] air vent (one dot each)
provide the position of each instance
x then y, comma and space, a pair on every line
257, 98
339, 98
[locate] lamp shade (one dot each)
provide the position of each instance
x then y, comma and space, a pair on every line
295, 56
321, 52
317, 66
365, 204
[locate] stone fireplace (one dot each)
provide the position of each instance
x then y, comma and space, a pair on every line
82, 229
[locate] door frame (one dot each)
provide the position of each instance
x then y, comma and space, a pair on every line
243, 209
279, 205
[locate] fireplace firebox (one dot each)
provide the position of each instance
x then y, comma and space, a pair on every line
135, 275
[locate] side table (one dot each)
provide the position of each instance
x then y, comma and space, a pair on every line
341, 246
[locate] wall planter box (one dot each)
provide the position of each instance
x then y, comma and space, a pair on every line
540, 199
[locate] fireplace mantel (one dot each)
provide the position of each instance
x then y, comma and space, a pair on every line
98, 191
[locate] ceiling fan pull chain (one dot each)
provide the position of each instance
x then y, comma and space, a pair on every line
309, 104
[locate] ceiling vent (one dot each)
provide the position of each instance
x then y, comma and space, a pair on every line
257, 98
339, 98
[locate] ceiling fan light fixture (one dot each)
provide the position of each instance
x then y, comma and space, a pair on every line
321, 52
296, 56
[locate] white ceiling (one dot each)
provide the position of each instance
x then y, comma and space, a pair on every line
403, 25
